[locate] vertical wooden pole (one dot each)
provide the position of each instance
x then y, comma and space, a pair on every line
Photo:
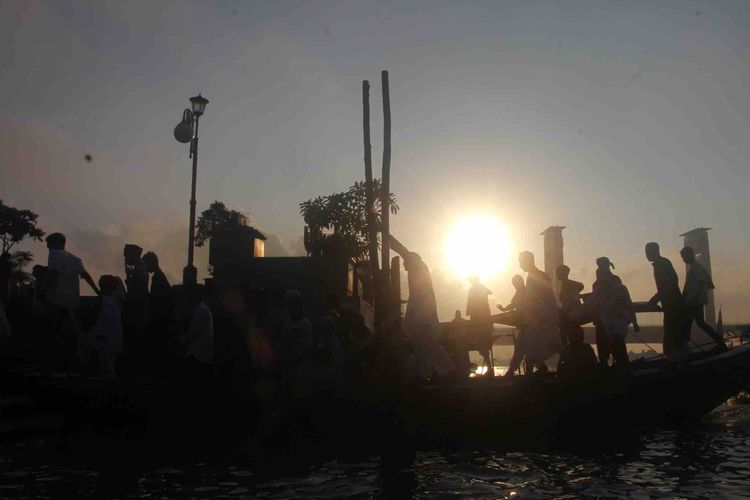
385, 207
371, 221
395, 290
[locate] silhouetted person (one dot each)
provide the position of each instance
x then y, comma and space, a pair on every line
516, 305
108, 328
604, 270
40, 274
297, 343
614, 309
5, 331
134, 313
578, 357
669, 295
539, 313
460, 344
695, 295
421, 321
569, 296
39, 326
515, 302
328, 359
64, 272
478, 310
197, 342
160, 308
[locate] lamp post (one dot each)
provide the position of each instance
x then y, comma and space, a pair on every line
187, 131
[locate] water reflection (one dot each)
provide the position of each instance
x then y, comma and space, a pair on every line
707, 458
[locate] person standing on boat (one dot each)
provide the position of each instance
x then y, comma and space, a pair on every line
672, 304
161, 312
478, 310
64, 272
695, 295
297, 343
421, 321
198, 341
515, 306
613, 307
108, 329
603, 348
137, 345
569, 296
539, 314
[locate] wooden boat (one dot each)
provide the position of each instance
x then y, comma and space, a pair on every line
652, 393
503, 410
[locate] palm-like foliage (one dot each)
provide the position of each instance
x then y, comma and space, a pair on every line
345, 214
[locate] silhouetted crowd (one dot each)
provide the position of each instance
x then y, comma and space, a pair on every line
548, 319
144, 327
138, 329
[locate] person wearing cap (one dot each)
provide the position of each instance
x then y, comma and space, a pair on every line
603, 272
672, 304
695, 294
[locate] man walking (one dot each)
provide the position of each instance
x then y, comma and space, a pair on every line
65, 271
668, 294
695, 295
478, 308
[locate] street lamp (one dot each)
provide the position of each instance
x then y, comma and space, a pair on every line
187, 131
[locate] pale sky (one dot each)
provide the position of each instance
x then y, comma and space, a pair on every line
624, 121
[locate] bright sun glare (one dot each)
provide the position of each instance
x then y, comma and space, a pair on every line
477, 244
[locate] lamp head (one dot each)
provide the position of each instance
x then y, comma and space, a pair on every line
198, 104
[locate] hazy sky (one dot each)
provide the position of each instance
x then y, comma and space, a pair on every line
624, 121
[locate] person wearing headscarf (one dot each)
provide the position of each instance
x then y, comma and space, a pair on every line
540, 315
421, 321
613, 307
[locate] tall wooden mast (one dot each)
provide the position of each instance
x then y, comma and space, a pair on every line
385, 206
372, 232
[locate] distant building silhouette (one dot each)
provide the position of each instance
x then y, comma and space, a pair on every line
697, 239
237, 259
553, 250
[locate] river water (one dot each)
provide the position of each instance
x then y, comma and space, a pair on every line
708, 458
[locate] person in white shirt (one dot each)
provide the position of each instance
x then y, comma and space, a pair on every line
199, 342
297, 344
64, 273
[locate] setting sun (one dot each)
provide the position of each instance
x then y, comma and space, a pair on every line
477, 244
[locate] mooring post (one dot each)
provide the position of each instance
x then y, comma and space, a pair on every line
369, 200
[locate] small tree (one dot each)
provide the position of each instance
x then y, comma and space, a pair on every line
345, 214
215, 219
15, 226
